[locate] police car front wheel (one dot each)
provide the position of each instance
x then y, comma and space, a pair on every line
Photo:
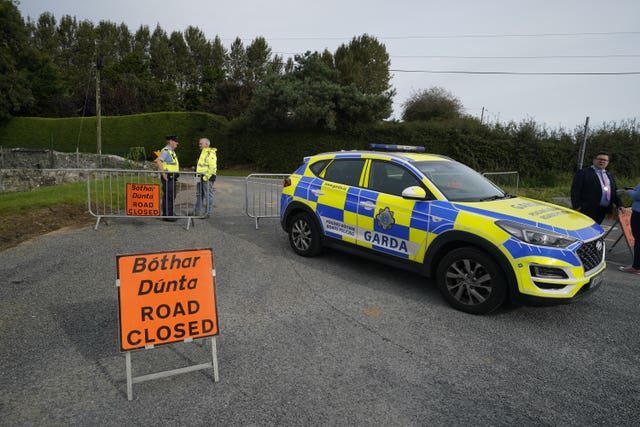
471, 281
304, 236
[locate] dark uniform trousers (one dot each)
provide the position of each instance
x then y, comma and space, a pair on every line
168, 194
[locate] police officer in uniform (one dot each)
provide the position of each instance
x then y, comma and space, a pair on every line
169, 167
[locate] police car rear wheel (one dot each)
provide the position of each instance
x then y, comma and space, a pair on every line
304, 236
471, 281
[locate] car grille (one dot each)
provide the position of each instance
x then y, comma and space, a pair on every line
590, 255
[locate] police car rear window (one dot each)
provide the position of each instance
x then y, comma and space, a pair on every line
318, 166
345, 171
387, 177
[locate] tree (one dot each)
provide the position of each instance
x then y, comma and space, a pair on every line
213, 75
276, 65
231, 99
15, 56
237, 62
160, 52
82, 88
432, 103
160, 63
200, 57
125, 41
365, 63
235, 92
314, 66
302, 97
181, 60
218, 54
44, 35
310, 96
47, 83
289, 66
258, 55
161, 68
141, 42
200, 53
108, 36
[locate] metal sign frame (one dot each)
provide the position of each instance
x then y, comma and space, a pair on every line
163, 374
623, 233
145, 303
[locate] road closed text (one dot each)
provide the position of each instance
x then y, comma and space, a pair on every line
166, 297
143, 199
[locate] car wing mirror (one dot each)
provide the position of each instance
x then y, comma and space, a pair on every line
414, 193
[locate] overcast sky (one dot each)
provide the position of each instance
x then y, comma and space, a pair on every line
451, 44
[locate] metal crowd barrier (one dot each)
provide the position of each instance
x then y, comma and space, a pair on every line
262, 195
115, 193
262, 191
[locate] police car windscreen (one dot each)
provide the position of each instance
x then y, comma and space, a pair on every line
459, 182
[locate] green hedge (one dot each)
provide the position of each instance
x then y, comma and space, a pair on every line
119, 133
465, 140
543, 158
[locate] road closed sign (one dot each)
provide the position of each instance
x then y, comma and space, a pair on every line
143, 199
166, 297
625, 220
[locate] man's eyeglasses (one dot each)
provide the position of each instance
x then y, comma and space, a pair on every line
602, 160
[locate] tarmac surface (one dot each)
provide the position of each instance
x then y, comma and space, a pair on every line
330, 340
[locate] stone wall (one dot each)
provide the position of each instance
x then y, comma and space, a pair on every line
17, 158
27, 179
26, 169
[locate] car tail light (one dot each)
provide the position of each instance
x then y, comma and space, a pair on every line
287, 182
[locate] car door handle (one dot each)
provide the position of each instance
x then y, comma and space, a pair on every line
317, 193
368, 205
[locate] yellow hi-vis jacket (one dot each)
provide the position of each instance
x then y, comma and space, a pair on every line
174, 166
207, 163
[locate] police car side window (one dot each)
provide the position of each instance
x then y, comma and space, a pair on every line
345, 171
387, 177
317, 167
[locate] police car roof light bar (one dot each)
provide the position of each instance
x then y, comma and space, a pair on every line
393, 147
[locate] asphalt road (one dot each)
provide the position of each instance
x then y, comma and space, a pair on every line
331, 340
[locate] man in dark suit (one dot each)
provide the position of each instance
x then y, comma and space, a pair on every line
593, 191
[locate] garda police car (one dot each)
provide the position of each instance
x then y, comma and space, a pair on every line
440, 218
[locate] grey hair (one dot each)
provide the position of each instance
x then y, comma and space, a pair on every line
206, 141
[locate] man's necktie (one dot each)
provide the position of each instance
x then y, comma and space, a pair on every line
605, 183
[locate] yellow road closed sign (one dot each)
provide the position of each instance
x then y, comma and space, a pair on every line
166, 297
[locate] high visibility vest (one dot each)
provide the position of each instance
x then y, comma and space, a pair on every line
174, 166
208, 162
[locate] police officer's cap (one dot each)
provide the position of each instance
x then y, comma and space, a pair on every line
173, 138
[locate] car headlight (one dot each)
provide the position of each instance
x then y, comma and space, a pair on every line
535, 235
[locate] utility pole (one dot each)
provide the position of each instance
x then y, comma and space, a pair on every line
584, 144
481, 115
99, 66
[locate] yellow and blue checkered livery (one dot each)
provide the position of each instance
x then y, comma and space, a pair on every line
438, 217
